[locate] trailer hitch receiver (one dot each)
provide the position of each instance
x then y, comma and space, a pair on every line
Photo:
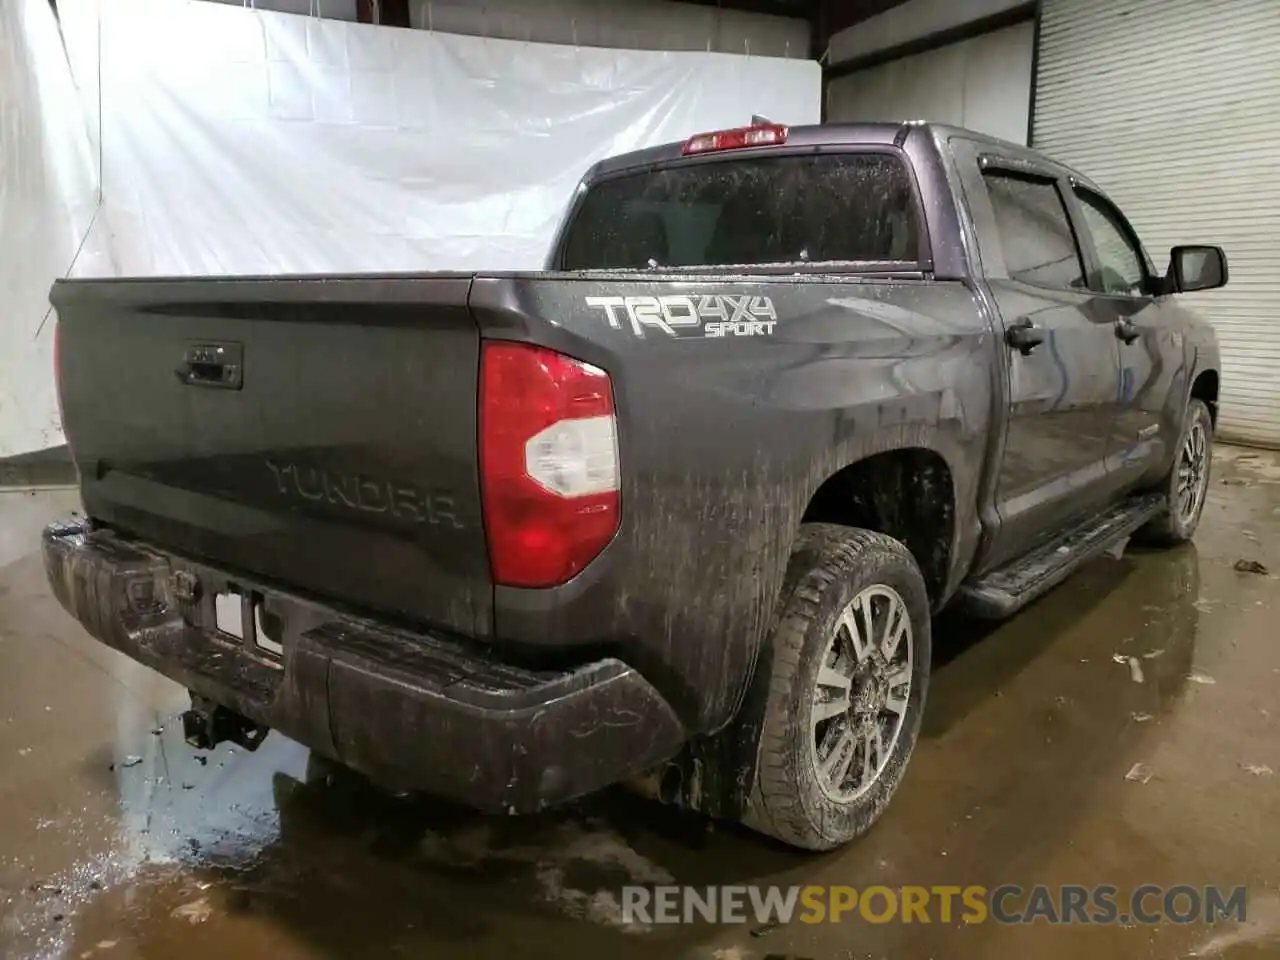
208, 724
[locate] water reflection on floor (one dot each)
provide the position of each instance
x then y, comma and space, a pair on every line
122, 842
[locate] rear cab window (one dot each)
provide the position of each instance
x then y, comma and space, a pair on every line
846, 208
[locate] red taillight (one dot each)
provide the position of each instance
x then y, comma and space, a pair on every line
760, 135
548, 463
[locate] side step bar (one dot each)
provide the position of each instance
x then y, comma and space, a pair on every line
1005, 591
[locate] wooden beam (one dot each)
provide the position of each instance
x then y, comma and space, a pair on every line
845, 13
389, 13
798, 9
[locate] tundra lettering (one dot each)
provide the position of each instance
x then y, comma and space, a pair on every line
366, 494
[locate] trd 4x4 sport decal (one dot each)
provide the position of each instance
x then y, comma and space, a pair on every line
681, 315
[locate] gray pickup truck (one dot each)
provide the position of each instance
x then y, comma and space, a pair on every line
677, 509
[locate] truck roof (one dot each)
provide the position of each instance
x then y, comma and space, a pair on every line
832, 134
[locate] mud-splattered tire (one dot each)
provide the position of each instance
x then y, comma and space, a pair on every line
837, 578
1188, 478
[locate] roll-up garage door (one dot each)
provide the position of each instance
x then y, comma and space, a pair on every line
1173, 107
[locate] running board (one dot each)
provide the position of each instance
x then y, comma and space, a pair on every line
1005, 591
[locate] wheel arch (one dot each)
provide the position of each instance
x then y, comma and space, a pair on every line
1205, 388
908, 493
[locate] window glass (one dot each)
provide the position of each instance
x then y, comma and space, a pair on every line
750, 211
1119, 261
1035, 231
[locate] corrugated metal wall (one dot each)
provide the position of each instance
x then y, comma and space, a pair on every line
906, 21
638, 24
983, 83
330, 9
627, 24
1173, 106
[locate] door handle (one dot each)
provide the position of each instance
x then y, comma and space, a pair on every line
218, 365
1127, 331
1024, 336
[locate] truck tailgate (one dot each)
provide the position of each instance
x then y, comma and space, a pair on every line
321, 432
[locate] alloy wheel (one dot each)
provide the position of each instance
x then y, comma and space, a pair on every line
861, 693
1193, 473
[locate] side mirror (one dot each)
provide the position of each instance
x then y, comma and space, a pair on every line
1196, 268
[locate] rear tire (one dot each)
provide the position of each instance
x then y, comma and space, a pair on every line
1187, 485
842, 710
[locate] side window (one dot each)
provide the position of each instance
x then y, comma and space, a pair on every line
1035, 231
1120, 262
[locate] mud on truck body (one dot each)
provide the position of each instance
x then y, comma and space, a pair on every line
682, 504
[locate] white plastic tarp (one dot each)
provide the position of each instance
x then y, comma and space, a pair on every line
229, 140
243, 141
48, 193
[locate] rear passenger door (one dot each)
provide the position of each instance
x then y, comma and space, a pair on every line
1148, 327
1062, 362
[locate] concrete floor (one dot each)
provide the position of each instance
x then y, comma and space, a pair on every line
120, 842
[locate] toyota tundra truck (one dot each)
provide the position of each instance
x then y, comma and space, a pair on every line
675, 510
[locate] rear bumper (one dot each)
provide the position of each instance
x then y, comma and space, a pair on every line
415, 710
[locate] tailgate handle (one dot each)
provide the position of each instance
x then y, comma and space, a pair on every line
218, 365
